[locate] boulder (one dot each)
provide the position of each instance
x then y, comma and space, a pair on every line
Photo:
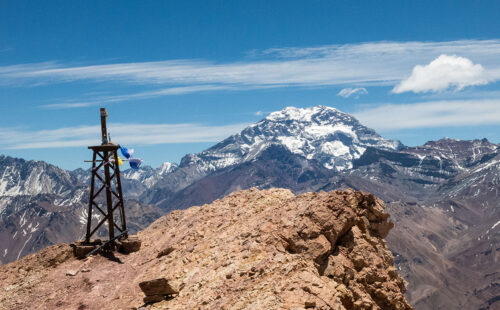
157, 287
129, 245
80, 251
153, 298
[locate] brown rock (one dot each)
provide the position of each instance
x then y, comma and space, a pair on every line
129, 245
72, 273
318, 247
250, 250
157, 287
153, 298
80, 251
309, 304
165, 251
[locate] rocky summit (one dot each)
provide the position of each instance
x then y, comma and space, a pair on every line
250, 250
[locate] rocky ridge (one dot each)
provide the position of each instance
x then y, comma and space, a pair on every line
251, 250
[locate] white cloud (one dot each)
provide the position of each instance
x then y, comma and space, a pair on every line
378, 63
453, 113
347, 92
259, 113
172, 91
443, 73
138, 134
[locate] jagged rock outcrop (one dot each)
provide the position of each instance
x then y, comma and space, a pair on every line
251, 250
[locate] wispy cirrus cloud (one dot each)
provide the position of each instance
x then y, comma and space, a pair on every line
138, 134
378, 63
172, 91
431, 114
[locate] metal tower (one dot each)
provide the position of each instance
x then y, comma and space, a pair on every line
106, 157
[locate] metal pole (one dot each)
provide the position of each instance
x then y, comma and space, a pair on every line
109, 199
103, 126
119, 189
91, 200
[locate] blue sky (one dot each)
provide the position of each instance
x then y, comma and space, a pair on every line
178, 76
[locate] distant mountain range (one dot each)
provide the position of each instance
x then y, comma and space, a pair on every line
443, 196
41, 204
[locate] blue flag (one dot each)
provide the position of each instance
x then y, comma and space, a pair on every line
135, 163
126, 152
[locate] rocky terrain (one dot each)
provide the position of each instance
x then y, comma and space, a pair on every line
251, 250
444, 195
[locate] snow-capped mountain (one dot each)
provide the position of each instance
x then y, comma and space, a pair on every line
443, 195
329, 137
462, 154
321, 133
147, 175
21, 177
41, 204
134, 182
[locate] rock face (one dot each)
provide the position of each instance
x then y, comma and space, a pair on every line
251, 250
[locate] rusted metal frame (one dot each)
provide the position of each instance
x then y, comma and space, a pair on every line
103, 213
104, 130
94, 168
104, 162
106, 243
98, 192
102, 222
102, 157
113, 165
108, 154
120, 193
117, 227
89, 215
116, 206
98, 225
109, 198
101, 179
116, 175
116, 195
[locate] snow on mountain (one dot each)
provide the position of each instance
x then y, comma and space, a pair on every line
147, 175
41, 204
323, 133
462, 154
132, 179
21, 177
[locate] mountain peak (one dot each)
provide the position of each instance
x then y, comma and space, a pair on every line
321, 133
31, 177
299, 114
